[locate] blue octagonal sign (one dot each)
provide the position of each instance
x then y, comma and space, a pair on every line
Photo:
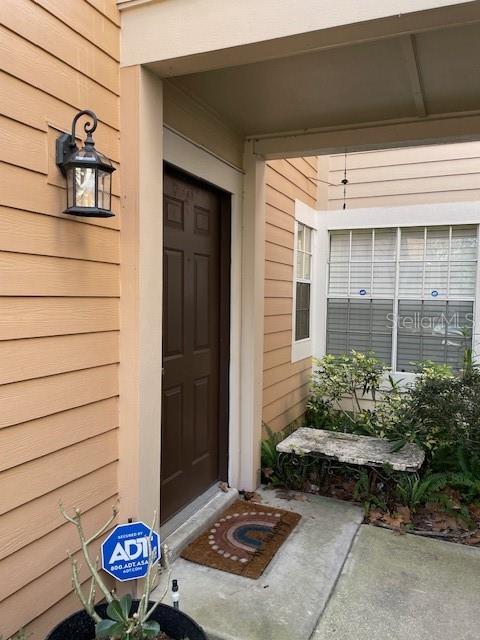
125, 551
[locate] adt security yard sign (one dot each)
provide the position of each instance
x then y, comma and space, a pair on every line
125, 551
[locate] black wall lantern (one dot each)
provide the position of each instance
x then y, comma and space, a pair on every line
88, 173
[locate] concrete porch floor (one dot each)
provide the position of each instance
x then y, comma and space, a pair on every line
336, 580
286, 601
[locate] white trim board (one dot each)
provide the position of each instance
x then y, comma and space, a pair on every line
418, 215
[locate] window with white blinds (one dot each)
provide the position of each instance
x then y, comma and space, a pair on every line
406, 294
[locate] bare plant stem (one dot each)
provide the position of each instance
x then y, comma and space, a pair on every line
88, 604
76, 520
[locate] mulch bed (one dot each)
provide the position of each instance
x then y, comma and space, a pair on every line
429, 520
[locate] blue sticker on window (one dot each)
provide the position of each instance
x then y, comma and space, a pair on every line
363, 292
434, 293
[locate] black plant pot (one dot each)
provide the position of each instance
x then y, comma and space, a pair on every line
177, 625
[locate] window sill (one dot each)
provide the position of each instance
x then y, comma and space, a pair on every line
301, 349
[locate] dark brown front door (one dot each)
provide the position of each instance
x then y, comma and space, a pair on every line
193, 409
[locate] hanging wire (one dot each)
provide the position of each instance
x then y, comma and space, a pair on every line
345, 182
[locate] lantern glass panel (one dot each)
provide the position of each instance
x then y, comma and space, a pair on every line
70, 177
104, 189
84, 187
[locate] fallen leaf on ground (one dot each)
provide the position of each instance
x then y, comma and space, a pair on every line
252, 496
404, 513
475, 511
395, 521
375, 515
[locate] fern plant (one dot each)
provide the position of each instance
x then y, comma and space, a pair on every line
467, 478
413, 491
363, 492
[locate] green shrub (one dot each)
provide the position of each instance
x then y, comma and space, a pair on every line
440, 413
337, 380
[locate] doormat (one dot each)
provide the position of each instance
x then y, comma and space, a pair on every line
244, 539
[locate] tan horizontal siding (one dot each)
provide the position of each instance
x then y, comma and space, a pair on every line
393, 187
274, 324
277, 253
34, 23
278, 271
59, 303
38, 357
281, 405
292, 413
281, 355
277, 306
278, 199
279, 218
39, 627
22, 401
283, 381
312, 161
411, 171
54, 76
22, 146
284, 186
300, 177
108, 9
25, 232
410, 199
30, 105
282, 372
33, 275
286, 386
48, 434
409, 155
47, 590
43, 514
278, 289
280, 237
93, 25
35, 317
47, 552
42, 475
306, 166
441, 173
274, 341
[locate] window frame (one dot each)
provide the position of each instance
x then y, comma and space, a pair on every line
307, 217
425, 215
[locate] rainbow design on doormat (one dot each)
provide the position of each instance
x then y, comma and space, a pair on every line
244, 539
238, 535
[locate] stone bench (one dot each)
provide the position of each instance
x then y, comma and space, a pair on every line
352, 449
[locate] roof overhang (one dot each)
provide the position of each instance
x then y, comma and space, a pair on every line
354, 78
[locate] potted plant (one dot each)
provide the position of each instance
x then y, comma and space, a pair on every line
121, 618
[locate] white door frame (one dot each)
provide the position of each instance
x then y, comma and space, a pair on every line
193, 159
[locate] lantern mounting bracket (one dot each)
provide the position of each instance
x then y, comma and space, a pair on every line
66, 142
